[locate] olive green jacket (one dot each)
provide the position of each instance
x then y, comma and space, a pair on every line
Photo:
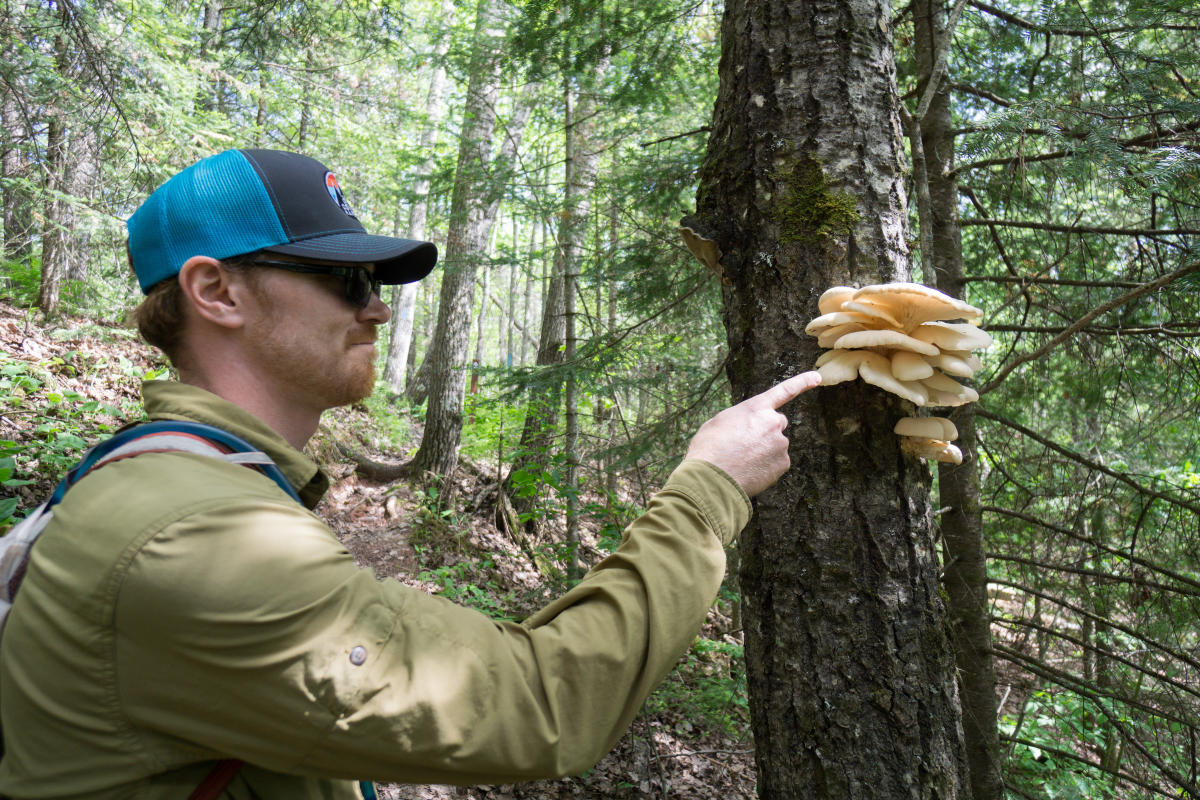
180, 609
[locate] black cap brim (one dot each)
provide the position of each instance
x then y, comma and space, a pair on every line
396, 260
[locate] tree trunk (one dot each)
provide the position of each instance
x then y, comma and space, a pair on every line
210, 36
557, 340
83, 181
405, 303
18, 216
961, 526
474, 204
850, 673
59, 213
310, 63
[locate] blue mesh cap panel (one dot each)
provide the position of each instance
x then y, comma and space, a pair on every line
217, 207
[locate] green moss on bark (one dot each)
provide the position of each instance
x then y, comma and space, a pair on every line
808, 210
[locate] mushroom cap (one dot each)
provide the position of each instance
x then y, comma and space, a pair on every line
953, 335
952, 362
833, 297
892, 340
909, 366
705, 250
876, 310
946, 387
876, 370
829, 336
910, 304
934, 449
938, 428
835, 318
839, 366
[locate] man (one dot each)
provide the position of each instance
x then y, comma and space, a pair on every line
181, 610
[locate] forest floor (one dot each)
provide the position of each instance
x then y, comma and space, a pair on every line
61, 384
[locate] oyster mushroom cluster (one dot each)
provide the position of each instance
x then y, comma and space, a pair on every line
929, 438
907, 339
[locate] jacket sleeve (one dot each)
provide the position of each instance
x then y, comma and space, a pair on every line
278, 650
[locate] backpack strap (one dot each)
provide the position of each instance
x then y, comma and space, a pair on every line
192, 437
215, 782
164, 436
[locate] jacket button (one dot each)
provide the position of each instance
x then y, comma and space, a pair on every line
358, 656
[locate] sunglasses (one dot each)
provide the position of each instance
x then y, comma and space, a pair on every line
359, 283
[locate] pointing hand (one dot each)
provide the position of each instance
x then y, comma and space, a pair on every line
747, 440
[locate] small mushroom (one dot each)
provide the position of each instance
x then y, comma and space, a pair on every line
706, 251
931, 449
926, 428
929, 438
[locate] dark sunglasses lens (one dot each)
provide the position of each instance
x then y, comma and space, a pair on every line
359, 286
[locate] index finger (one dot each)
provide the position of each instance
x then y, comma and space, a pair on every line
787, 390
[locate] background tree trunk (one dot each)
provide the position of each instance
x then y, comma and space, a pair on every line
404, 301
958, 485
557, 336
478, 188
466, 242
18, 223
850, 673
59, 214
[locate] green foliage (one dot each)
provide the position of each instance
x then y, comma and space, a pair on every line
468, 583
492, 425
8, 468
436, 522
390, 420
706, 692
1040, 763
23, 281
58, 424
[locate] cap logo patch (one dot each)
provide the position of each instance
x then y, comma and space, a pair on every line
335, 192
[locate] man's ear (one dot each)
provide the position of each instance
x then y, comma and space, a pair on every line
214, 293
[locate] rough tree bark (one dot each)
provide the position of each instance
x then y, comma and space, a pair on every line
851, 675
958, 485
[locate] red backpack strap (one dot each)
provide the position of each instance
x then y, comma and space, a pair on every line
215, 782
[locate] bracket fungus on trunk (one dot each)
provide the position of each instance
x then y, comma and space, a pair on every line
909, 340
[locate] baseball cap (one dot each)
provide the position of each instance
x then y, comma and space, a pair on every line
241, 201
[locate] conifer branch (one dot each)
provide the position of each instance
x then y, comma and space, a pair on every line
1092, 542
1085, 461
1020, 22
1099, 229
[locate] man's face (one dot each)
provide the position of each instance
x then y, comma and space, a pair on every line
314, 346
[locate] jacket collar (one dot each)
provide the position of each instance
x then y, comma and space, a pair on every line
182, 401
